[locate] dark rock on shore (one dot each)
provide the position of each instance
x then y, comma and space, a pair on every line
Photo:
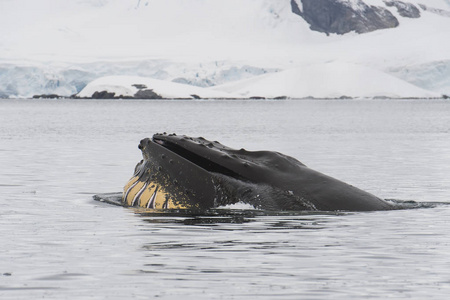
141, 94
330, 16
47, 96
103, 95
147, 94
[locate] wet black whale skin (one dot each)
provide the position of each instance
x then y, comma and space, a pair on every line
266, 179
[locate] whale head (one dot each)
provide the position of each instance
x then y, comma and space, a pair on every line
182, 172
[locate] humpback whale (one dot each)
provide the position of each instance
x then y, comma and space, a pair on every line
181, 172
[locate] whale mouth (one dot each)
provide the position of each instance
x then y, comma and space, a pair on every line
196, 159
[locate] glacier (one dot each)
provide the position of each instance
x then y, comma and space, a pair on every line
26, 79
243, 47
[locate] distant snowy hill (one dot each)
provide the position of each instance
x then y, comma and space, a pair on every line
329, 80
293, 48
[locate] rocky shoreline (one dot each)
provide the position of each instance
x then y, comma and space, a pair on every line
104, 95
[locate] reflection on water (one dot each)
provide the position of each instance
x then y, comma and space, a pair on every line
212, 217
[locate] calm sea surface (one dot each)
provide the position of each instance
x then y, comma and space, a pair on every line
57, 243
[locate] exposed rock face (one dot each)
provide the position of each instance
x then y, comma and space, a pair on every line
437, 11
141, 94
407, 10
340, 16
146, 94
47, 96
103, 95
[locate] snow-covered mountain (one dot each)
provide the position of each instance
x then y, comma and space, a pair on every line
267, 48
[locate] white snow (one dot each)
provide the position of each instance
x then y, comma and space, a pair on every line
53, 46
124, 86
330, 80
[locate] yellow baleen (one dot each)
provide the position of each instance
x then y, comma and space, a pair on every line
130, 183
148, 195
132, 192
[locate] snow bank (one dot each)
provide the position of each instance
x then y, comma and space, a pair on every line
331, 80
129, 86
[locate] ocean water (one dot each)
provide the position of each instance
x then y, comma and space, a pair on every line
56, 242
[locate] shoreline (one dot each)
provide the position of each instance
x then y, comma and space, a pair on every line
58, 97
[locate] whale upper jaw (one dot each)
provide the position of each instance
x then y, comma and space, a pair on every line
209, 155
